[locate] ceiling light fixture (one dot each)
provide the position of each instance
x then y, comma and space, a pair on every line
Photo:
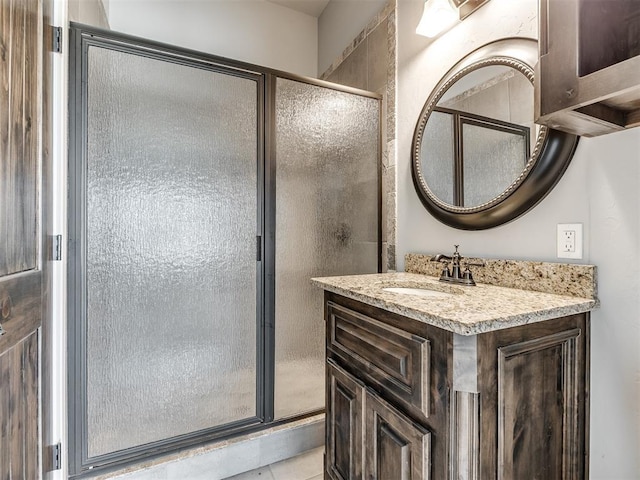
440, 15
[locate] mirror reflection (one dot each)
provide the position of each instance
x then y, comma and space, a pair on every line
479, 137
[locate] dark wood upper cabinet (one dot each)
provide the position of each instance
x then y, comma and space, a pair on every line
588, 76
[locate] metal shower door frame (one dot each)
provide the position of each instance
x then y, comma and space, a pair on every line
81, 40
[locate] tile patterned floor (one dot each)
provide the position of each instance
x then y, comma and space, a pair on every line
307, 466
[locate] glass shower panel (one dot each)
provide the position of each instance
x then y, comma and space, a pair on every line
171, 275
327, 161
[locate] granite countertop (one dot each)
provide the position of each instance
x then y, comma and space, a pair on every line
466, 310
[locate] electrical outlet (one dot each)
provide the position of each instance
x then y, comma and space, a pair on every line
569, 240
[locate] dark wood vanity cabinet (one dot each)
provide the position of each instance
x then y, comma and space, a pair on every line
388, 383
396, 408
588, 76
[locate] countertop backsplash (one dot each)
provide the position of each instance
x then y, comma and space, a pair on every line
547, 277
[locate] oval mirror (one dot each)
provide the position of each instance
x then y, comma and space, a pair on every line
479, 160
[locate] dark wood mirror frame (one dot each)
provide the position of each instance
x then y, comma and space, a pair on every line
548, 162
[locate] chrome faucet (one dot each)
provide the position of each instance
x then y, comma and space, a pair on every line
456, 274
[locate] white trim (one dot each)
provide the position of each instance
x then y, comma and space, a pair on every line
58, 224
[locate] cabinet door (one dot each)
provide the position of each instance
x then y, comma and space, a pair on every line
540, 379
534, 408
395, 447
345, 397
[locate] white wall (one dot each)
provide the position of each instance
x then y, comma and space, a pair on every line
600, 190
253, 31
91, 12
340, 22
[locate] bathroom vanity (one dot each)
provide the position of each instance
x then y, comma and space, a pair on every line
429, 380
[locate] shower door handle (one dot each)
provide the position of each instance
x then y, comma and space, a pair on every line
258, 248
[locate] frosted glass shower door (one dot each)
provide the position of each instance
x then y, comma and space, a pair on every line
171, 215
327, 223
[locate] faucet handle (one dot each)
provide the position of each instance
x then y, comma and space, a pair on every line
445, 275
467, 276
474, 264
440, 258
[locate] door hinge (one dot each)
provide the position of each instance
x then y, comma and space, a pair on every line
56, 40
54, 457
55, 247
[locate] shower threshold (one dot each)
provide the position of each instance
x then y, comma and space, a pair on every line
229, 457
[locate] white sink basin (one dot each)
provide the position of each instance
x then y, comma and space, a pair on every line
419, 292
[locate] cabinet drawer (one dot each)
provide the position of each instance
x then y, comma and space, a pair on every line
395, 360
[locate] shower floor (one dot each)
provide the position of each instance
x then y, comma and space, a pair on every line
307, 466
299, 388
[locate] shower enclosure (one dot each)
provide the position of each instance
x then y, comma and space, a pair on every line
203, 195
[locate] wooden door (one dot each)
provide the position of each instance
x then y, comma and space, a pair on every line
21, 277
344, 429
396, 448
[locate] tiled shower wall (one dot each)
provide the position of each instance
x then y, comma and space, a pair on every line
369, 63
